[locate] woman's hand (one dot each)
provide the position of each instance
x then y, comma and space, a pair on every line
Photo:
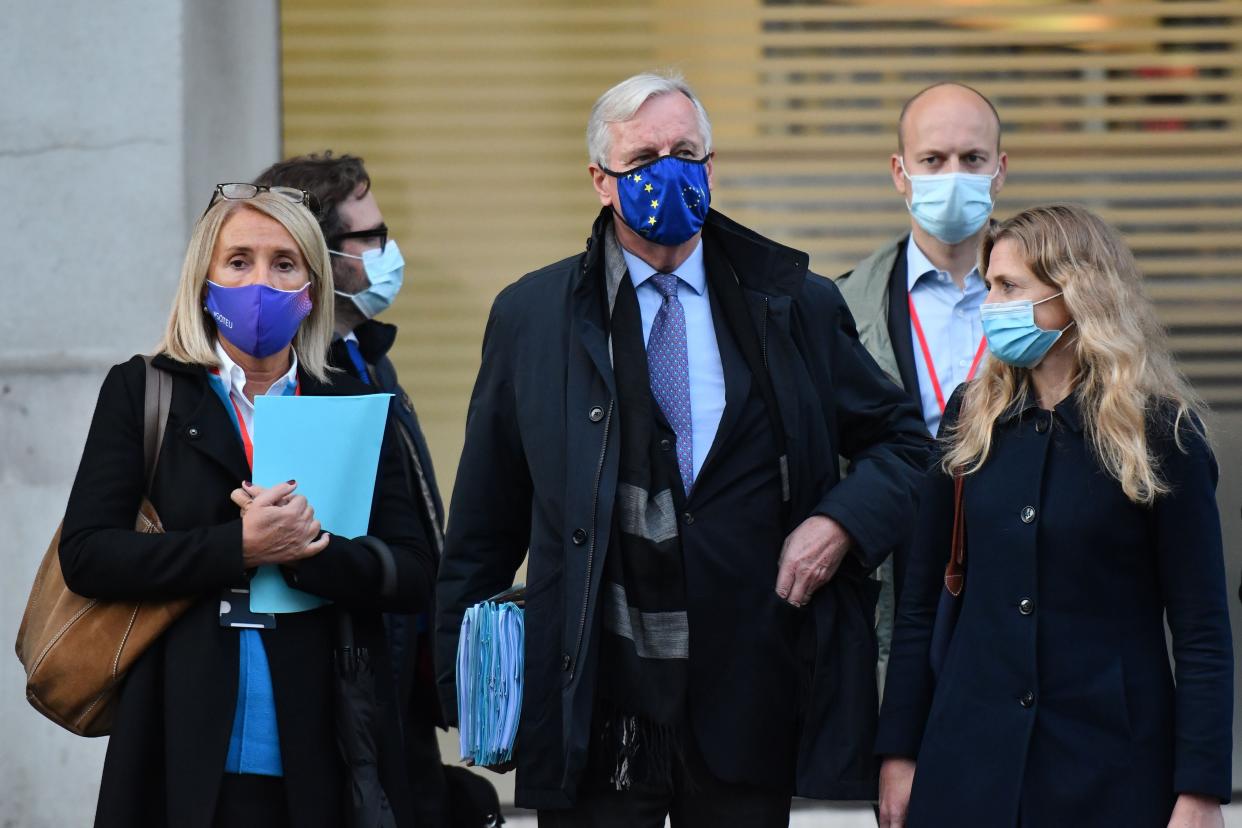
896, 779
1195, 811
278, 526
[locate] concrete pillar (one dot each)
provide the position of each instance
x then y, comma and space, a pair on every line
117, 120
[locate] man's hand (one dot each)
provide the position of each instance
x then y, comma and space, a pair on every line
896, 780
810, 558
1195, 811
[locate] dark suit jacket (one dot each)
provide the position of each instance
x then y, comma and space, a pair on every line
168, 745
1055, 704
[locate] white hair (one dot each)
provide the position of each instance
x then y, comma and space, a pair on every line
623, 100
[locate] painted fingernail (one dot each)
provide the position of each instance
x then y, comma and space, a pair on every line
291, 482
246, 484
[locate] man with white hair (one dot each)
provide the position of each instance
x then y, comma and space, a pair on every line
657, 422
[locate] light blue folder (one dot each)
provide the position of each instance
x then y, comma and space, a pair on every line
331, 447
490, 665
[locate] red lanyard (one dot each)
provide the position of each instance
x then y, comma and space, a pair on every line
241, 424
927, 357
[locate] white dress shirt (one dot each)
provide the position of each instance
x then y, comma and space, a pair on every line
234, 377
950, 320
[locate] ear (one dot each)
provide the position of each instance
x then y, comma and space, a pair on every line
900, 183
711, 179
1001, 171
600, 181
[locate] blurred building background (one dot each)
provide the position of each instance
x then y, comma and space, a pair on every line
471, 114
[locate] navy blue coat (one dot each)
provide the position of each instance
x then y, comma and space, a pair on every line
539, 473
1056, 704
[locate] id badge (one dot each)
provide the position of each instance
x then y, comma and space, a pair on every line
235, 611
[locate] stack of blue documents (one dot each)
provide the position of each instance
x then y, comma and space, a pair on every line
490, 663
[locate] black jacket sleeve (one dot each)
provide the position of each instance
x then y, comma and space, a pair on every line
1192, 578
909, 687
489, 525
882, 435
101, 555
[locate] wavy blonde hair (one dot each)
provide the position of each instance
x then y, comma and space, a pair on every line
1124, 375
191, 333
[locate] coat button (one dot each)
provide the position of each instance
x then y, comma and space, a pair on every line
566, 663
688, 518
596, 414
666, 444
579, 537
193, 432
1027, 700
1042, 425
1028, 514
1026, 606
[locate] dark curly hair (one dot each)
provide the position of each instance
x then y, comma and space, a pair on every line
329, 178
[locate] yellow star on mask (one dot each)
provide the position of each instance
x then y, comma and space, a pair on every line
651, 219
655, 204
637, 178
647, 188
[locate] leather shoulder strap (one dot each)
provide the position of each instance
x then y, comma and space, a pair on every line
156, 402
955, 571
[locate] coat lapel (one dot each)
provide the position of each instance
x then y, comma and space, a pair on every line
202, 423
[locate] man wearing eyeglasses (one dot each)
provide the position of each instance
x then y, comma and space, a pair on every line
367, 269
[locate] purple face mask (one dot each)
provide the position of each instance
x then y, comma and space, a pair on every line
258, 319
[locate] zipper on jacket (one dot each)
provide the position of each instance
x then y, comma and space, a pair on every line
586, 592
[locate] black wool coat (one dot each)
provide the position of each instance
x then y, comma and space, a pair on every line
168, 745
539, 472
1055, 704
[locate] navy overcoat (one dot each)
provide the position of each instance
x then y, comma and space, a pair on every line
1056, 704
538, 478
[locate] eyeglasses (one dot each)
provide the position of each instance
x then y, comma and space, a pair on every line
379, 234
242, 190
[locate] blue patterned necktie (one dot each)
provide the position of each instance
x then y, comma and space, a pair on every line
669, 365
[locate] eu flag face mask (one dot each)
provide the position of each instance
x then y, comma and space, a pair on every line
1012, 335
666, 200
950, 206
385, 269
259, 320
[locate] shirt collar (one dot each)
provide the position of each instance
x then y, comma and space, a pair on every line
692, 271
235, 376
919, 266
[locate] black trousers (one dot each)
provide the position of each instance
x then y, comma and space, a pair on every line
250, 801
695, 799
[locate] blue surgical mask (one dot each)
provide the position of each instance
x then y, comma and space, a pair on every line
666, 200
1012, 335
950, 206
385, 269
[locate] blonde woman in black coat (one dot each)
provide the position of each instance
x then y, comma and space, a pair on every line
217, 725
1090, 511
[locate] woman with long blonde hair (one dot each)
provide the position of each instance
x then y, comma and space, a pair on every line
1089, 509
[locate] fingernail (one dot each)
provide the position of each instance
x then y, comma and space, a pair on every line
291, 482
246, 484
784, 593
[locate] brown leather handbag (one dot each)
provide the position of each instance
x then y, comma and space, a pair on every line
76, 650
